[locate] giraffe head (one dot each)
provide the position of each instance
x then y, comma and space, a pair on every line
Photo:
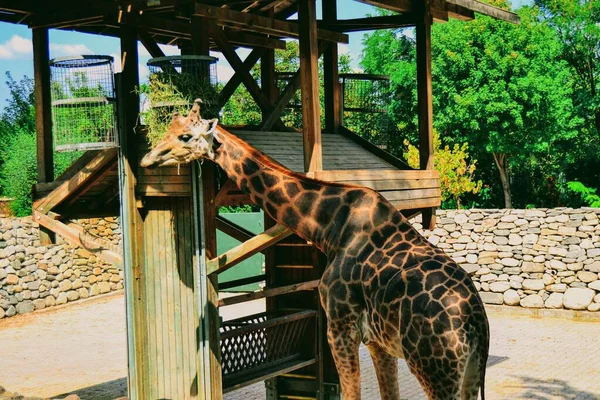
187, 139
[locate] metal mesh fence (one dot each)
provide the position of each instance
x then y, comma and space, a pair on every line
174, 83
365, 101
83, 103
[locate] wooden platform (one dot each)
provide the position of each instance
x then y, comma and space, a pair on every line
93, 190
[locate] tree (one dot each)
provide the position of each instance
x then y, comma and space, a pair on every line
500, 87
576, 23
19, 112
456, 172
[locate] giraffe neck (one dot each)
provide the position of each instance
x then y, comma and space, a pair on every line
303, 205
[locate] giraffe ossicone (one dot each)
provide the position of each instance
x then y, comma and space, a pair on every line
384, 285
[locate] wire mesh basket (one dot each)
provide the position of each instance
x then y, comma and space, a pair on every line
365, 100
83, 103
174, 83
262, 341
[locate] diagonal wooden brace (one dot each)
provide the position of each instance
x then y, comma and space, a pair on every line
247, 249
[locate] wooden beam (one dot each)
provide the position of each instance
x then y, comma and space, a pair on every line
235, 81
257, 23
43, 119
77, 236
488, 9
392, 5
285, 97
67, 188
309, 85
130, 73
200, 38
424, 98
331, 82
241, 282
183, 30
64, 18
297, 287
235, 231
247, 249
236, 63
370, 23
132, 227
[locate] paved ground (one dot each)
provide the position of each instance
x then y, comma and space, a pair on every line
81, 348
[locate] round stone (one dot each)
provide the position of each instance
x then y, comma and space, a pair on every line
594, 307
555, 300
533, 284
62, 298
511, 297
578, 298
586, 276
595, 285
532, 301
499, 287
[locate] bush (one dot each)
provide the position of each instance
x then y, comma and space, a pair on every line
588, 195
18, 174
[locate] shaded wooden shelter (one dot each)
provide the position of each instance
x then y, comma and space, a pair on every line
178, 346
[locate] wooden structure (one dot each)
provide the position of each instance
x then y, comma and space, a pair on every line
178, 346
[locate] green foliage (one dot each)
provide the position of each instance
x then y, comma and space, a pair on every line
576, 23
171, 92
19, 171
502, 88
588, 195
88, 122
18, 112
242, 110
456, 172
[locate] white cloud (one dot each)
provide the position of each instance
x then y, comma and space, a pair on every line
20, 47
224, 71
60, 50
117, 62
16, 47
168, 50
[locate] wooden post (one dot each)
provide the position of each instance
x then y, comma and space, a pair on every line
210, 367
425, 107
331, 78
309, 78
43, 118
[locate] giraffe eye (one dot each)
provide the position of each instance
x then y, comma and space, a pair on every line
185, 138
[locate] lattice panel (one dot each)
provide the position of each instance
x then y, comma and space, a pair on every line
262, 339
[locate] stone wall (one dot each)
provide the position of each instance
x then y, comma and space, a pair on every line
33, 277
539, 258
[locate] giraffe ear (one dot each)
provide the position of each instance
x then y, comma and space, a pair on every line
211, 125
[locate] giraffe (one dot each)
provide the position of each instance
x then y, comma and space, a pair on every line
384, 285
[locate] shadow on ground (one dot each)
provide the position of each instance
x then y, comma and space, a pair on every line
494, 360
103, 391
551, 389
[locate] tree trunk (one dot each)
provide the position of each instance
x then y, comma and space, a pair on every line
502, 164
597, 121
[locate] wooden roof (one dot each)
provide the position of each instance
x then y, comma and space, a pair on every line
339, 152
259, 23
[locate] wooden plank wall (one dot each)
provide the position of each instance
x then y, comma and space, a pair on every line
171, 312
339, 152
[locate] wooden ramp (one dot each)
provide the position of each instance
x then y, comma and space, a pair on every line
88, 188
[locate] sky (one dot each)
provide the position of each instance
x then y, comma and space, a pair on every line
16, 48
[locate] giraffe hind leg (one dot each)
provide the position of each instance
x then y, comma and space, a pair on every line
344, 341
386, 367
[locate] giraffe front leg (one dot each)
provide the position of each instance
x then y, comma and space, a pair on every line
344, 340
386, 368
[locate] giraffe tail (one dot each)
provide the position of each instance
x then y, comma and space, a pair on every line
485, 352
